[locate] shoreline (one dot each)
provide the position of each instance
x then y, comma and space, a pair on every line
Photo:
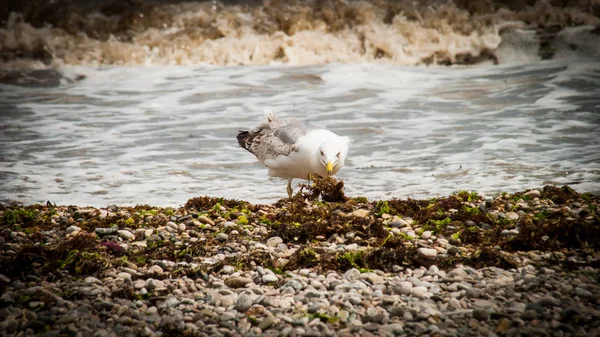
525, 262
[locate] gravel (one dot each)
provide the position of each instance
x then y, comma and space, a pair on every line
193, 275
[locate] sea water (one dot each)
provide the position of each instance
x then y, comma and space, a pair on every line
161, 128
160, 135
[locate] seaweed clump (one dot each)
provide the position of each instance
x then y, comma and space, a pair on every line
330, 189
464, 227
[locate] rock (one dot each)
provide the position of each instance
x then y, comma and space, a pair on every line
351, 285
361, 213
139, 284
67, 318
140, 244
484, 226
533, 194
227, 316
404, 288
582, 292
509, 232
394, 328
454, 303
351, 274
294, 284
72, 229
503, 326
106, 231
124, 275
398, 223
512, 216
227, 269
473, 293
91, 280
480, 314
222, 237
548, 301
428, 252
35, 304
426, 235
528, 315
266, 322
372, 278
453, 250
268, 278
154, 269
421, 292
35, 325
274, 241
237, 282
126, 235
243, 303
205, 220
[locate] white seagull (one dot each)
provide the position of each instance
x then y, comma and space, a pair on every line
291, 151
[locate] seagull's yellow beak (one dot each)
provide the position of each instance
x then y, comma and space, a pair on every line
329, 168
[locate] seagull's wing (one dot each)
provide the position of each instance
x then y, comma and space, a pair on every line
271, 140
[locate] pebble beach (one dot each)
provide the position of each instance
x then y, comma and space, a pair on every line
521, 264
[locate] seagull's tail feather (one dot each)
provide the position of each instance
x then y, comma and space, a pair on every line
244, 138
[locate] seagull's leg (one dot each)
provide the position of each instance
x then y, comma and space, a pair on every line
289, 188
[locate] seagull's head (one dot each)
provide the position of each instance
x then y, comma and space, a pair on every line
332, 156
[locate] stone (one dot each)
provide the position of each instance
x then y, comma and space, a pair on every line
533, 194
428, 252
480, 314
106, 231
404, 288
503, 326
222, 237
72, 229
454, 303
351, 285
67, 318
582, 292
394, 328
351, 274
512, 216
266, 322
237, 282
361, 213
548, 301
473, 293
227, 269
91, 280
268, 278
126, 235
243, 303
372, 278
421, 292
205, 220
154, 269
227, 316
124, 275
274, 241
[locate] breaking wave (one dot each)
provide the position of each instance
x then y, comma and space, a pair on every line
141, 32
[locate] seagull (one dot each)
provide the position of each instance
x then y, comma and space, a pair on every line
289, 150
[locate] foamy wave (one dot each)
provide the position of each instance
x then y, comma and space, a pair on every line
300, 33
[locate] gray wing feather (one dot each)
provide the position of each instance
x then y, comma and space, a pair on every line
270, 140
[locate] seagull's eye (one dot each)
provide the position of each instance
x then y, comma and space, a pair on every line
322, 154
338, 154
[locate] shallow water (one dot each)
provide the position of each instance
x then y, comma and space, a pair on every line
160, 135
